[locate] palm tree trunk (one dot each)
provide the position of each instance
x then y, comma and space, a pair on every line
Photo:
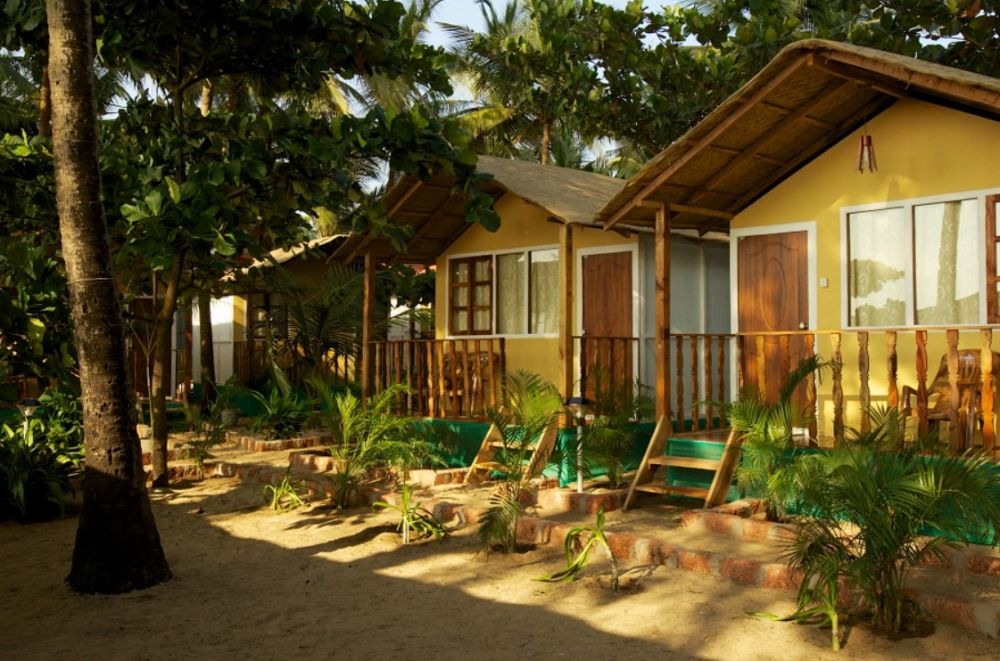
206, 343
117, 545
546, 141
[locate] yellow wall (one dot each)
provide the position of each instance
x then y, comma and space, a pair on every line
522, 225
922, 150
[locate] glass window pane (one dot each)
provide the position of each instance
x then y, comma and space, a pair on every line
460, 272
483, 270
996, 246
544, 291
510, 294
482, 324
481, 295
459, 321
947, 262
877, 267
461, 296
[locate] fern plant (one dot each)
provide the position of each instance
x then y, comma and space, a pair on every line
34, 477
577, 560
283, 413
209, 431
530, 405
768, 465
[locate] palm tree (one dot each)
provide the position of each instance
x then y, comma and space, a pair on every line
117, 545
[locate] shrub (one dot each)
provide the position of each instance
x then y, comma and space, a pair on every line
284, 495
62, 417
283, 414
609, 438
870, 512
577, 560
413, 517
531, 404
34, 476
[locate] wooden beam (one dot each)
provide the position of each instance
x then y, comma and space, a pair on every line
734, 116
367, 327
818, 123
427, 224
869, 110
369, 237
860, 78
566, 367
661, 249
700, 211
735, 152
769, 136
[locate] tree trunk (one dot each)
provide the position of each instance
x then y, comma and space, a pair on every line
546, 141
45, 105
117, 544
206, 342
162, 350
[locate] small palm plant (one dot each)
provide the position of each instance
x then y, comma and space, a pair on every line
413, 518
366, 434
610, 437
870, 514
768, 465
284, 495
530, 405
283, 413
577, 560
209, 431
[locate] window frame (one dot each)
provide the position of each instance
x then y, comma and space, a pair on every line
453, 260
907, 205
470, 308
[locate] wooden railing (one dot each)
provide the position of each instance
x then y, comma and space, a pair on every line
960, 390
250, 361
457, 378
700, 374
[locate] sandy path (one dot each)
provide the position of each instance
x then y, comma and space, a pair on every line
255, 585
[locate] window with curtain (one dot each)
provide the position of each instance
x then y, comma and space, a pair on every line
915, 264
526, 299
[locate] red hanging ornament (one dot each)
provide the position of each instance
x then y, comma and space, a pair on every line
866, 154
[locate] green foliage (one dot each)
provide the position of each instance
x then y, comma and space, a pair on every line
62, 416
769, 461
284, 495
366, 435
283, 414
34, 478
577, 556
414, 518
609, 438
530, 405
870, 512
209, 431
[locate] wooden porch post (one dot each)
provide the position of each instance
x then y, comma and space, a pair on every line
367, 330
566, 309
662, 303
187, 357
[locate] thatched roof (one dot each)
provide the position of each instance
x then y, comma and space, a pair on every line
436, 213
321, 245
809, 97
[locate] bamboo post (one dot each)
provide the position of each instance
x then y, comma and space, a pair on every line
680, 382
442, 392
709, 389
466, 399
493, 374
761, 360
722, 376
987, 395
566, 309
478, 400
954, 395
838, 386
367, 326
695, 413
921, 366
810, 343
661, 250
864, 395
892, 366
432, 398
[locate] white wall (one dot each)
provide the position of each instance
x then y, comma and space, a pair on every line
222, 338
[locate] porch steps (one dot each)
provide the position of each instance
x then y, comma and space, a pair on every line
645, 480
486, 459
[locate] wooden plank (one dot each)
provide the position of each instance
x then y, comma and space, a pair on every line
700, 211
707, 355
543, 450
811, 399
954, 394
735, 113
503, 371
686, 462
864, 395
442, 392
478, 397
432, 391
668, 490
987, 394
680, 382
761, 360
484, 455
465, 401
657, 444
837, 368
921, 367
695, 412
453, 373
721, 395
661, 249
493, 374
367, 326
892, 367
727, 468
566, 310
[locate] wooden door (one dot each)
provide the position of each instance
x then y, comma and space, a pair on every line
773, 296
608, 348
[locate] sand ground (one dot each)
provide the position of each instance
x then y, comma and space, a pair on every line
316, 584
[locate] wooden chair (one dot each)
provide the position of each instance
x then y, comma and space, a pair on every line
969, 390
